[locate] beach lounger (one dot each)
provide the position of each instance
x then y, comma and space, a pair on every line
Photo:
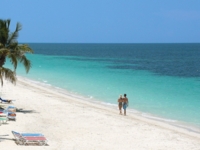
5, 101
27, 138
9, 112
11, 116
3, 120
2, 114
11, 109
3, 117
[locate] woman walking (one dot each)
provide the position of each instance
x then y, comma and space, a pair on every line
120, 100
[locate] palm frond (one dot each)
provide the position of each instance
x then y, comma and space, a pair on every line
8, 75
3, 54
4, 51
24, 48
13, 36
8, 23
4, 31
12, 46
26, 63
13, 59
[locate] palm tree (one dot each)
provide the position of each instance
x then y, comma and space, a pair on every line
9, 48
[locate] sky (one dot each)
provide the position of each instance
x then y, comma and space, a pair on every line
104, 21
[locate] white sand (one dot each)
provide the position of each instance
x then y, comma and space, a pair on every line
73, 124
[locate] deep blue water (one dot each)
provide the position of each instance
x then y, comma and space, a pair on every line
181, 60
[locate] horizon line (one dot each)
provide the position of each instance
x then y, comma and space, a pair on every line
109, 43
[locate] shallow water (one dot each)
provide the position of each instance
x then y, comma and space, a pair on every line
160, 80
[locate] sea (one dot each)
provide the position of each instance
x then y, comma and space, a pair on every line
161, 80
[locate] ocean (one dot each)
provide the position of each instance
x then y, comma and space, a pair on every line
162, 81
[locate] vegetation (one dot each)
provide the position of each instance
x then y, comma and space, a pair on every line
10, 49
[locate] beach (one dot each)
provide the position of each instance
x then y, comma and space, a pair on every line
74, 124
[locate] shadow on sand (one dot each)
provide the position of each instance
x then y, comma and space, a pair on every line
20, 110
3, 137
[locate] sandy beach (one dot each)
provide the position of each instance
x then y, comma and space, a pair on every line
73, 124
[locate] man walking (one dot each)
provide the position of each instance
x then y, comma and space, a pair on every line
125, 104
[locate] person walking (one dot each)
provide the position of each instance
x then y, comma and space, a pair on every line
125, 103
120, 100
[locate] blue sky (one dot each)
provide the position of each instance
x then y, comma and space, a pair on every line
104, 21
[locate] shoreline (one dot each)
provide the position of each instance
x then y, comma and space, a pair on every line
80, 124
174, 123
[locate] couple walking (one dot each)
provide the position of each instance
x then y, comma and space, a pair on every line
122, 102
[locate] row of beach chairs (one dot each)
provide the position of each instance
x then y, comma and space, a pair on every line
21, 138
7, 114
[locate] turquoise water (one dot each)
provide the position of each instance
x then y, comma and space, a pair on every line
171, 94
